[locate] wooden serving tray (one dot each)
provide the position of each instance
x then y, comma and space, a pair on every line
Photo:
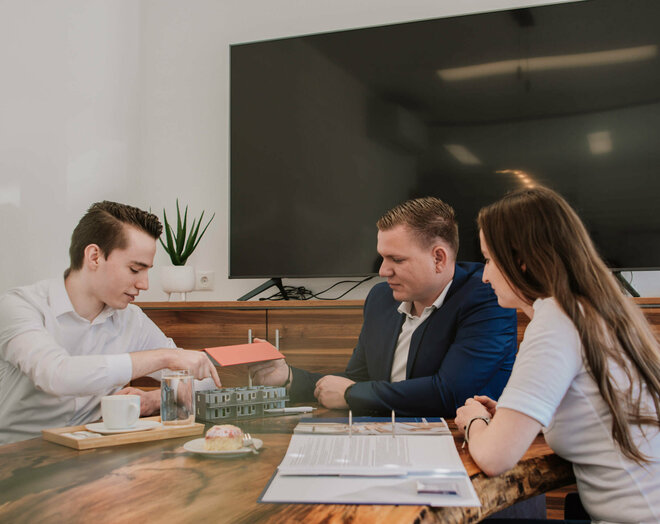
117, 439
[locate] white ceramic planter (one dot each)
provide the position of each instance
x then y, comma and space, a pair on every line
177, 279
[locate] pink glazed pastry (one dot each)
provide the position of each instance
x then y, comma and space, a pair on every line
222, 438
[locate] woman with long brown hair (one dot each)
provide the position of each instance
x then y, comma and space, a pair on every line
588, 368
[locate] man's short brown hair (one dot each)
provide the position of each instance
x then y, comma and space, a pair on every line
103, 225
428, 217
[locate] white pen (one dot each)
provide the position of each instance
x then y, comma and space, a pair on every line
298, 409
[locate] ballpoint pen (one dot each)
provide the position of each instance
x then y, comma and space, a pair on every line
292, 410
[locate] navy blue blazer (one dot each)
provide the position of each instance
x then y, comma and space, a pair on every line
464, 348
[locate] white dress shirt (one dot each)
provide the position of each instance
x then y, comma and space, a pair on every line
410, 324
55, 365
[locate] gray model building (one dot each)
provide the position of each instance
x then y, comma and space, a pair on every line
246, 402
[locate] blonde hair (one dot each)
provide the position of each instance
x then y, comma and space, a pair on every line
428, 218
542, 248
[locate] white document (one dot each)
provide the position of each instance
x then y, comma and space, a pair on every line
372, 469
372, 455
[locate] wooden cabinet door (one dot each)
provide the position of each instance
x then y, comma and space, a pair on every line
203, 328
320, 340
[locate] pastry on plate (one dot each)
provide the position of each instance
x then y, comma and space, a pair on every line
224, 437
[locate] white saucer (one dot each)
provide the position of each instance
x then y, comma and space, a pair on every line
197, 446
140, 425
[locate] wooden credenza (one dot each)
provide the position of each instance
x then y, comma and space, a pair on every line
316, 335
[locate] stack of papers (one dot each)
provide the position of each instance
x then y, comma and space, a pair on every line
372, 467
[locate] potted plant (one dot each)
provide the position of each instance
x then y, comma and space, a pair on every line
179, 245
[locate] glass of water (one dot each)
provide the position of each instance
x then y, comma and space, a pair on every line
177, 397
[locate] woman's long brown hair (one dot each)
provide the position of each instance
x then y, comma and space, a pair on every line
543, 250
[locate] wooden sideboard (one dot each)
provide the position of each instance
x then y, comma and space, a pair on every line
316, 335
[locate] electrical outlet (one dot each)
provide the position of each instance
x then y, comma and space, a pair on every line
204, 280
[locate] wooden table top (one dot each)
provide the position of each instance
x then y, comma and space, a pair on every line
160, 482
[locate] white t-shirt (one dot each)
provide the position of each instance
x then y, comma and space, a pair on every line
549, 383
55, 365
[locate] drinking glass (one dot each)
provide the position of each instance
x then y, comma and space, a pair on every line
177, 397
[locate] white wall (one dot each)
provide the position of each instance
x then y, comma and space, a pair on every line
69, 126
129, 100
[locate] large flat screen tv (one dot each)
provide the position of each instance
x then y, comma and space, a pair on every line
328, 131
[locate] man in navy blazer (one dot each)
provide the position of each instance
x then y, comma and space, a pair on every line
432, 336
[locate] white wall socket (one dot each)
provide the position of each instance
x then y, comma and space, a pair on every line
204, 280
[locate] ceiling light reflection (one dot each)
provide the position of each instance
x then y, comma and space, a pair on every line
545, 63
523, 177
462, 154
600, 142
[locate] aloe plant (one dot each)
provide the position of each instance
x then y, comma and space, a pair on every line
181, 243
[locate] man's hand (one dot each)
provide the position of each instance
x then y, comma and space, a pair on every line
270, 373
149, 400
330, 391
197, 362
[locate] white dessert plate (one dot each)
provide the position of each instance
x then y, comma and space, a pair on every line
197, 446
140, 425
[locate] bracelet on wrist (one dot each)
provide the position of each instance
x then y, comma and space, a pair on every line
466, 428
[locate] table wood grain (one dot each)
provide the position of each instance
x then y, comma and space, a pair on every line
160, 482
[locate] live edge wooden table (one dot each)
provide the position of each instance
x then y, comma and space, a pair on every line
160, 482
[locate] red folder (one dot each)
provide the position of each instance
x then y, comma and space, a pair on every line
244, 353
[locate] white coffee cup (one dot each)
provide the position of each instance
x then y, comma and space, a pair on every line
120, 411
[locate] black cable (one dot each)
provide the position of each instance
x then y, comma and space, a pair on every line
302, 293
357, 283
292, 293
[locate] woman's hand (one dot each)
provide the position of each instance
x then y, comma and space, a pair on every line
472, 408
488, 403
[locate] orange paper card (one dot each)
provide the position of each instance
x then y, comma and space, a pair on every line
244, 353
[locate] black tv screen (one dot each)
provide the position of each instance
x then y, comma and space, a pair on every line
329, 131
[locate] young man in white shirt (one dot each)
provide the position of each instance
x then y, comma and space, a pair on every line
66, 342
